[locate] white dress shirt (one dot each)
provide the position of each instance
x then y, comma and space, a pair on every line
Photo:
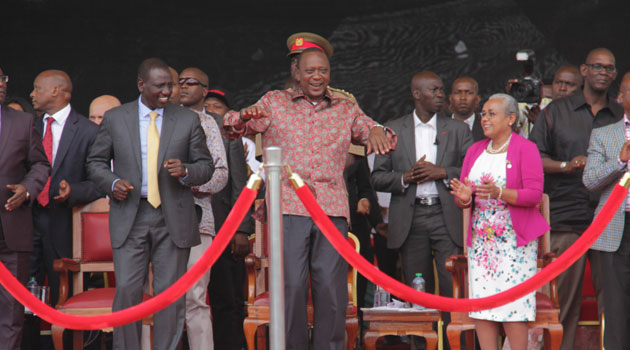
470, 121
425, 137
56, 128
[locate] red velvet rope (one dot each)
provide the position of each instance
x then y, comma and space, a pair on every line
151, 306
462, 305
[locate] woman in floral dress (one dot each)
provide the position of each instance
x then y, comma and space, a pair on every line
502, 179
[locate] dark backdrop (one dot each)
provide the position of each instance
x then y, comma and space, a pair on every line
241, 44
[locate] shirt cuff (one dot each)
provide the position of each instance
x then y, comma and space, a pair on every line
402, 181
114, 184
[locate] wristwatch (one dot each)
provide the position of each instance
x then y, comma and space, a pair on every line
563, 165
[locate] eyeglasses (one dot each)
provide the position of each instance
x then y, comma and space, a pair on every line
4, 78
488, 115
191, 82
598, 68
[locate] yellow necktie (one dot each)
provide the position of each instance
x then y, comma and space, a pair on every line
153, 145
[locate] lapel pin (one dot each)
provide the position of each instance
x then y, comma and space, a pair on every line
509, 164
443, 133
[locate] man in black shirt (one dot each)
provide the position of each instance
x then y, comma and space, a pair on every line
562, 133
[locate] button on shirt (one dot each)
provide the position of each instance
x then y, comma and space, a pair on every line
56, 128
425, 136
314, 139
562, 132
145, 120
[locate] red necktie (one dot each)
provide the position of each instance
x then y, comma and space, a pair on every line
44, 197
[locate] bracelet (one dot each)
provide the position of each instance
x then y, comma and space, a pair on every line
500, 192
467, 204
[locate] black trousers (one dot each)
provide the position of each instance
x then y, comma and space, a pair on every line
616, 275
225, 291
12, 314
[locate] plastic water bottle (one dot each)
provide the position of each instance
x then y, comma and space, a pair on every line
418, 284
381, 296
32, 287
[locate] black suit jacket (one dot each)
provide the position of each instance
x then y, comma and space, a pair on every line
54, 223
453, 139
223, 202
22, 161
477, 130
358, 185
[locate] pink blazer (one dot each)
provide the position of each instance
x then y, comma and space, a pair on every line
524, 173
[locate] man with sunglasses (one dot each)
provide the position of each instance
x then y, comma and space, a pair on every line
562, 133
193, 85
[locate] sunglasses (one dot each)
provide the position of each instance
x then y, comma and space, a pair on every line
191, 82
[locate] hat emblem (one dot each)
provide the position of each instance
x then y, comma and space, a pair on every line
299, 41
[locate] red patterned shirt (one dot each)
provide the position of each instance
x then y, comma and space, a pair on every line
314, 138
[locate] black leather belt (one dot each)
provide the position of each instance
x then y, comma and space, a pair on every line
427, 201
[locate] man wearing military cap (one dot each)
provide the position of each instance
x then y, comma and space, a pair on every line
297, 43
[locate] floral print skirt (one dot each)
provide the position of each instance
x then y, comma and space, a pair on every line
496, 264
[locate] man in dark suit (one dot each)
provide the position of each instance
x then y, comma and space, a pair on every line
423, 219
464, 99
67, 137
23, 173
228, 273
159, 152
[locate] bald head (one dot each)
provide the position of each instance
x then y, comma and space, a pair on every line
52, 91
427, 90
566, 81
193, 87
599, 51
100, 105
174, 98
197, 74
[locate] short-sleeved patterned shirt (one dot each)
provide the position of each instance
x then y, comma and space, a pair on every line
314, 138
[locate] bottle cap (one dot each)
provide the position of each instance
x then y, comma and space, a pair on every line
418, 274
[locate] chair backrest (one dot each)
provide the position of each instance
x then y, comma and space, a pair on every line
91, 244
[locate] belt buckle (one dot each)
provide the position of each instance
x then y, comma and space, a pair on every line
425, 201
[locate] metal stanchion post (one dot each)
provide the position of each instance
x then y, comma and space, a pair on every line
273, 169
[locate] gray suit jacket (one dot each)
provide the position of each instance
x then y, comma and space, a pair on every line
453, 139
181, 137
602, 171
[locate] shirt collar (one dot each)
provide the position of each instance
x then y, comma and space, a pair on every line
578, 100
432, 122
60, 116
297, 92
144, 111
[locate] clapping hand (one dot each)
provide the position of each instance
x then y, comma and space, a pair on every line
462, 190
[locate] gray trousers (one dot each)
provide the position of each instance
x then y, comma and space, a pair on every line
149, 241
570, 285
12, 315
616, 275
429, 239
308, 253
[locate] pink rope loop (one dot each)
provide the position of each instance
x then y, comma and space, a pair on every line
151, 306
462, 305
